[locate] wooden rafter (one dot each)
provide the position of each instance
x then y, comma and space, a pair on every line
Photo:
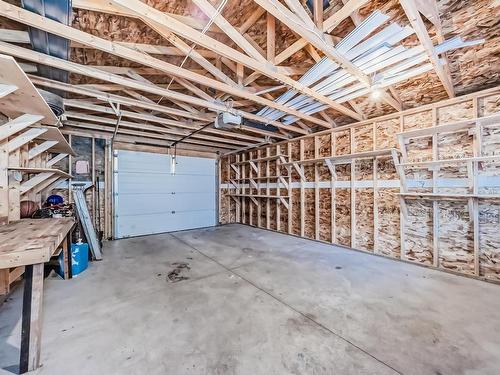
54, 27
96, 73
312, 34
413, 14
150, 14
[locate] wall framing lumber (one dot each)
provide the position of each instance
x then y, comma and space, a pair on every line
398, 203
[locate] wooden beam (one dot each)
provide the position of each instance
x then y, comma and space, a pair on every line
155, 119
55, 159
193, 54
162, 131
108, 7
18, 124
318, 13
96, 73
315, 36
150, 14
418, 25
6, 89
57, 28
24, 138
42, 147
271, 38
227, 28
106, 97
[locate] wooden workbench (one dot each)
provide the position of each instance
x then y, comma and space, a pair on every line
29, 243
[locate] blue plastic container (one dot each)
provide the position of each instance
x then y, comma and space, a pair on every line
79, 259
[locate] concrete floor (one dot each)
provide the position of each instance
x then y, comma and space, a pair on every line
258, 302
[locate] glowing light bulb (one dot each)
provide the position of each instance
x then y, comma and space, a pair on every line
376, 94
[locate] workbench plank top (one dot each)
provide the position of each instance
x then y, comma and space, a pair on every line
31, 241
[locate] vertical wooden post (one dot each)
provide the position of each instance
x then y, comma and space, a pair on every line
271, 38
316, 191
435, 204
333, 192
302, 195
4, 281
4, 183
353, 192
290, 190
31, 329
268, 202
259, 206
278, 190
318, 13
474, 215
14, 186
70, 170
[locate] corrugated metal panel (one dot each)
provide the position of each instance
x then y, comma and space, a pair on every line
149, 199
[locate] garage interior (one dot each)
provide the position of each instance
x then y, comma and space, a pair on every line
249, 187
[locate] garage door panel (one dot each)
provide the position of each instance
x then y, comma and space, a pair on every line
134, 182
149, 199
160, 164
141, 203
138, 225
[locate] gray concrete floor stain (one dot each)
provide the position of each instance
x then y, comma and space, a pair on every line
251, 301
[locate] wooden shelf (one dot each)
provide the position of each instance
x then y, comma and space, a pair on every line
450, 127
25, 95
448, 196
41, 170
258, 178
342, 159
267, 158
259, 196
449, 161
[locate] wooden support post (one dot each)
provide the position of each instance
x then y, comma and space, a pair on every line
268, 202
259, 205
4, 281
316, 191
333, 192
290, 190
435, 204
278, 189
238, 191
302, 192
318, 13
243, 199
271, 38
251, 170
31, 330
68, 263
353, 192
4, 182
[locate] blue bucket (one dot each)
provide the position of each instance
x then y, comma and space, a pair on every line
79, 259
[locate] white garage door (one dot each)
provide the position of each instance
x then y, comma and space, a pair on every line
149, 199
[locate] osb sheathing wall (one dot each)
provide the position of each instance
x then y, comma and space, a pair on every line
360, 206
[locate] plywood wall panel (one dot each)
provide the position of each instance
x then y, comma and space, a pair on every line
309, 213
419, 120
364, 219
489, 240
385, 133
343, 216
388, 234
456, 247
325, 215
455, 112
383, 224
418, 232
363, 138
